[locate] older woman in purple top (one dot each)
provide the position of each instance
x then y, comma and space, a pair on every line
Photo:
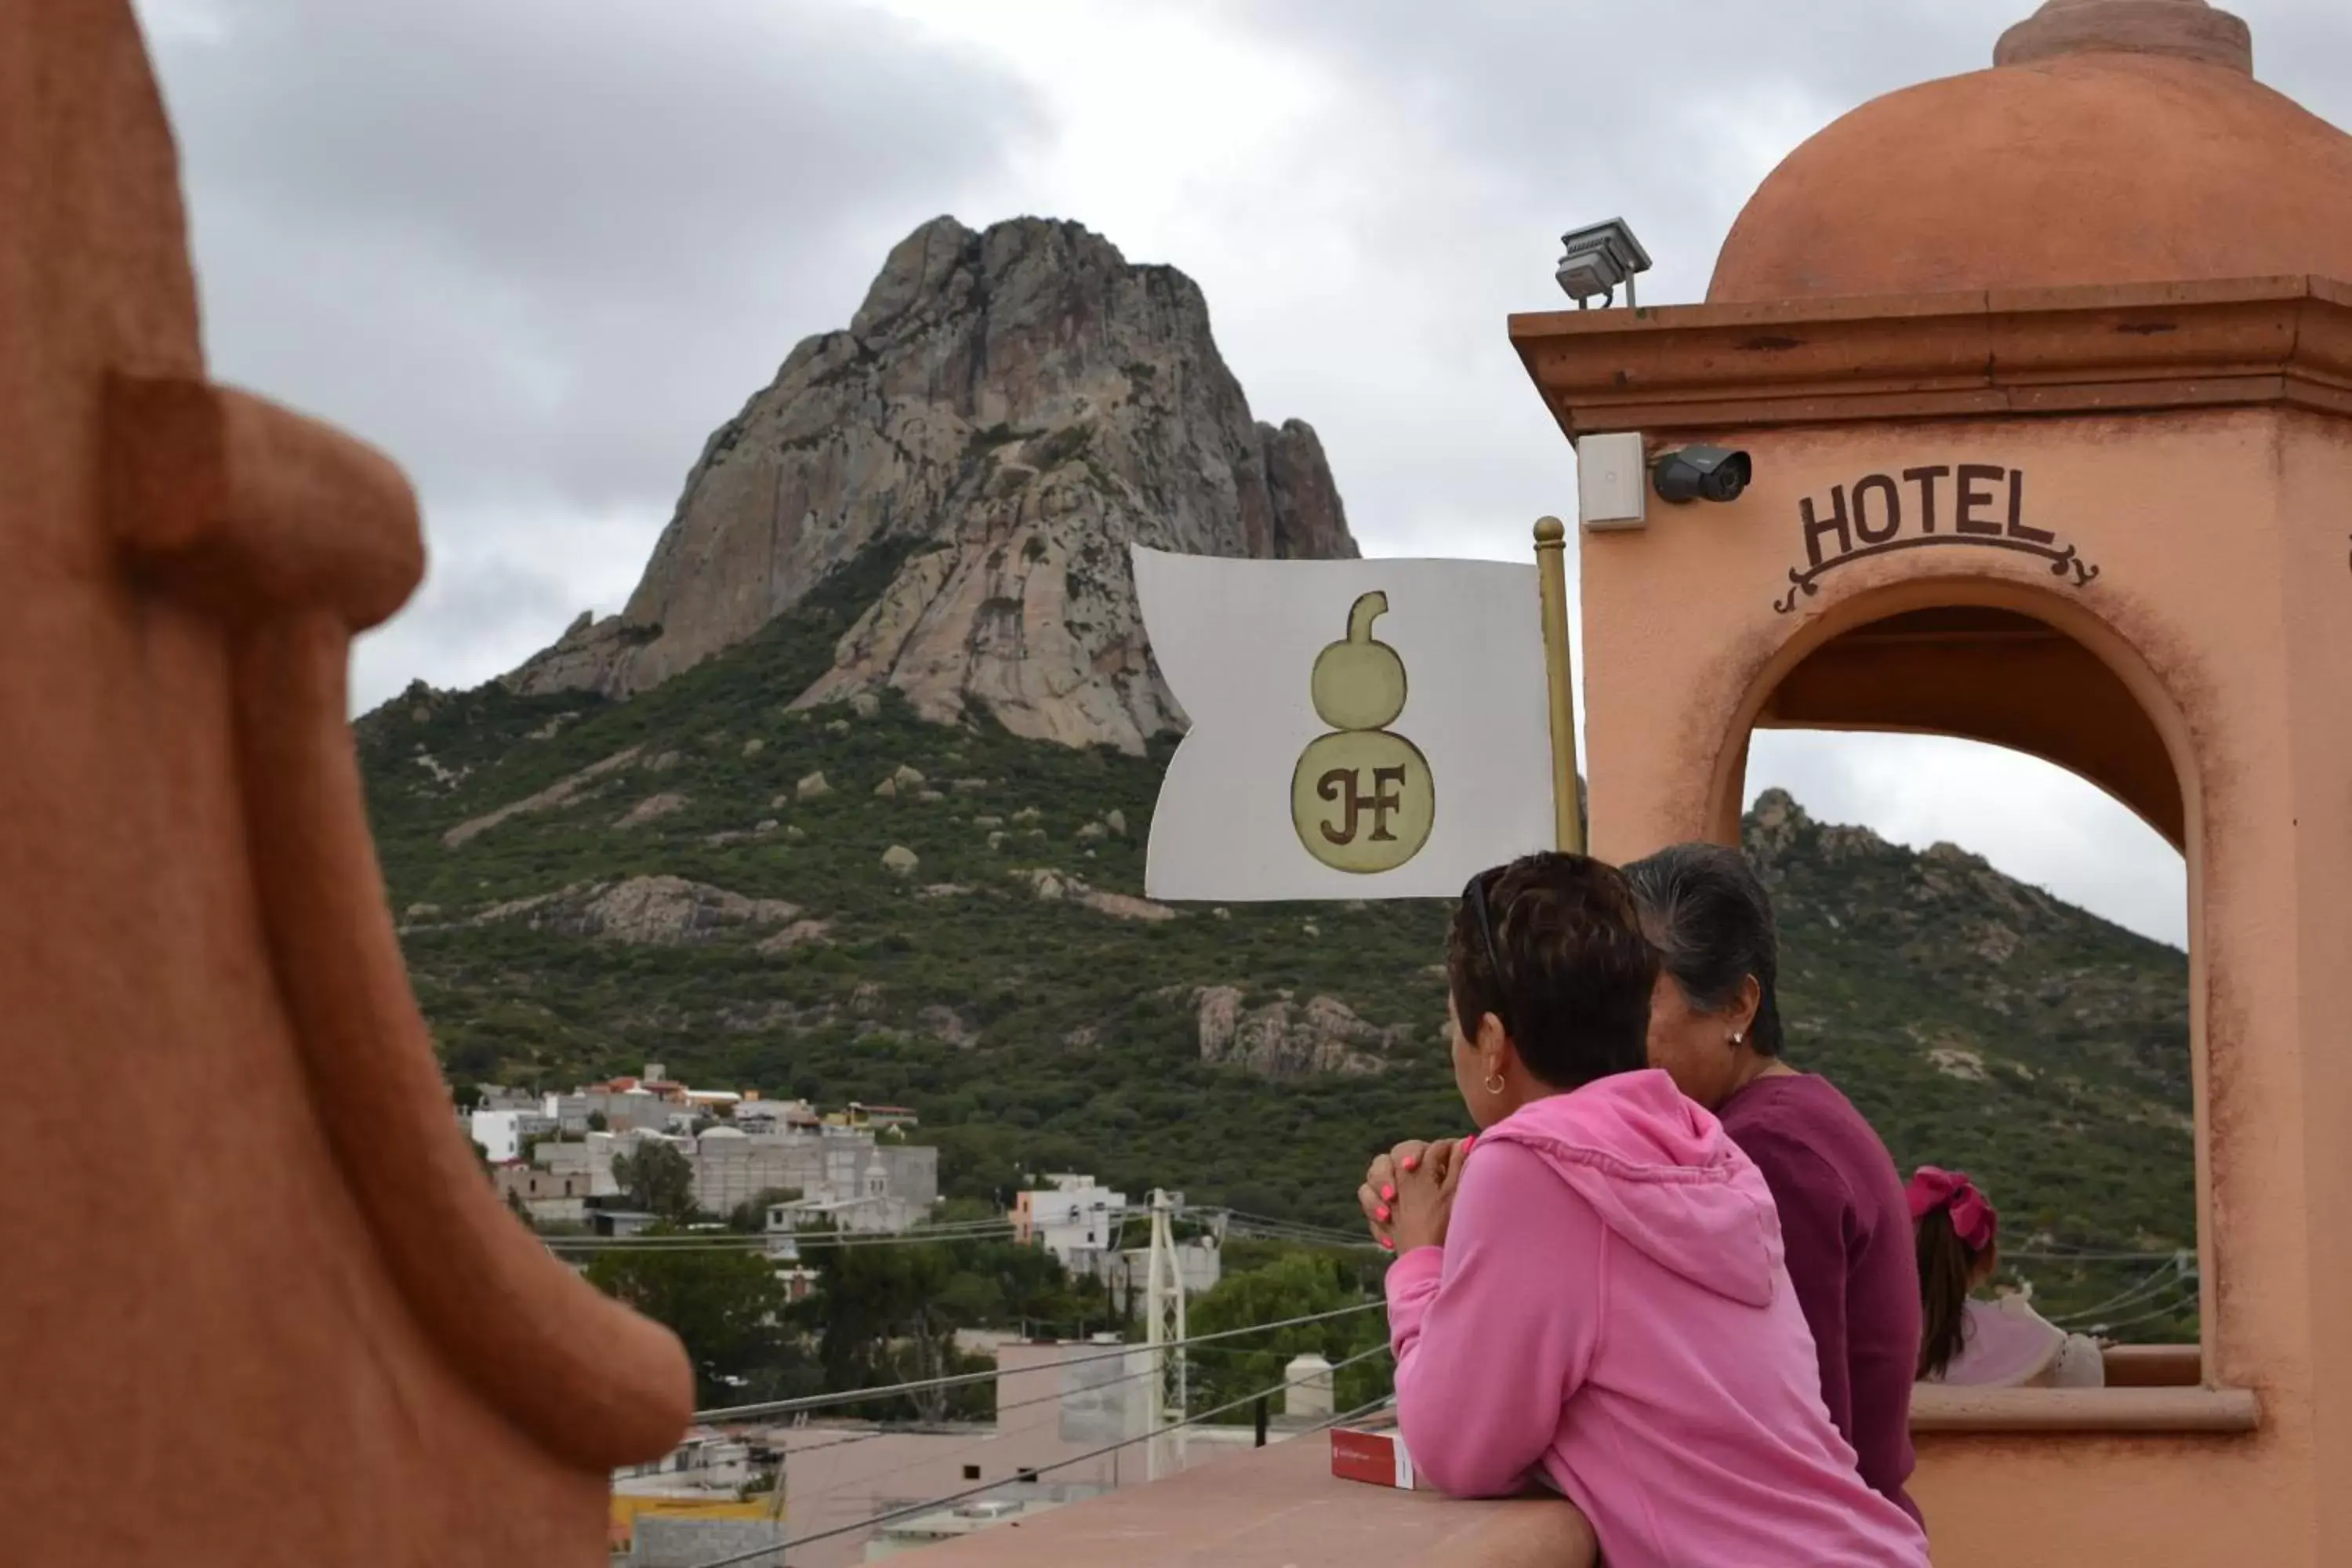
1715, 1026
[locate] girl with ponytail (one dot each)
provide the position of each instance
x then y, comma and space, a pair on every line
1997, 1344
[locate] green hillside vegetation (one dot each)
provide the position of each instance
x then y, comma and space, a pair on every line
1980, 1023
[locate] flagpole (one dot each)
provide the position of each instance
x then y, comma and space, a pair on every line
1551, 577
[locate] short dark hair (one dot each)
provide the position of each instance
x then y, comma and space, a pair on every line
1575, 969
1711, 920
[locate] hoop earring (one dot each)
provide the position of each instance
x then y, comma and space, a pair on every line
1493, 1084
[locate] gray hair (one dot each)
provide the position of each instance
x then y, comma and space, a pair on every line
1710, 919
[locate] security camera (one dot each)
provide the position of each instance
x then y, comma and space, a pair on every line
1701, 473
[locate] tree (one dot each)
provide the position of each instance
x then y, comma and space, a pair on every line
1297, 1286
657, 1180
888, 1312
989, 1159
725, 1307
598, 1123
466, 1096
882, 1318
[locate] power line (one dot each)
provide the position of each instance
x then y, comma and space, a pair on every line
2155, 1280
719, 1233
1290, 1230
735, 1412
1249, 1218
926, 1506
584, 1254
817, 1241
1057, 1397
1258, 1227
1298, 1238
714, 1227
948, 1229
1017, 1405
2184, 1302
1346, 1415
846, 1439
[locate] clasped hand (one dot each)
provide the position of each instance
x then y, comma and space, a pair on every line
1408, 1193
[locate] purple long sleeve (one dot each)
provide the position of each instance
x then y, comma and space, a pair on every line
1847, 1232
1816, 1222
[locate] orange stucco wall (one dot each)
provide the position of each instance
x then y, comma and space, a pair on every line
296, 1326
2316, 602
2058, 1501
2222, 545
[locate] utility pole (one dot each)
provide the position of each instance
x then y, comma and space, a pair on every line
1164, 1327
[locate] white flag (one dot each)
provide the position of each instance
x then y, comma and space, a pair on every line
1361, 729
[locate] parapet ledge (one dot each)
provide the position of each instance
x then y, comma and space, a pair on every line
1938, 1409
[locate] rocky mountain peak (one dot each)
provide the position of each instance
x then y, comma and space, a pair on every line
1773, 825
1009, 409
1777, 829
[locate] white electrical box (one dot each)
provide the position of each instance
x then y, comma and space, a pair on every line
1613, 483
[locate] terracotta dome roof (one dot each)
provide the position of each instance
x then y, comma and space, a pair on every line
2119, 141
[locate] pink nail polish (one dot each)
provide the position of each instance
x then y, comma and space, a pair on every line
1467, 1142
1388, 1192
1412, 1161
1382, 1214
1387, 1245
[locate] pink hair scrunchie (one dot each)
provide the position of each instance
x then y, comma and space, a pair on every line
1973, 1219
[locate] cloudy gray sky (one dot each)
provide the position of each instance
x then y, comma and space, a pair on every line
538, 248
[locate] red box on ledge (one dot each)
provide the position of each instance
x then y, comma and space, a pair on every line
1373, 1452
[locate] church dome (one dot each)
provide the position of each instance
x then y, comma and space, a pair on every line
2113, 142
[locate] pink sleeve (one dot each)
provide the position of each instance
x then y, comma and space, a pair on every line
1494, 1332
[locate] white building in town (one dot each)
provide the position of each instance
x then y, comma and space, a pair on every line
851, 1177
1072, 1218
865, 1182
502, 1133
589, 1157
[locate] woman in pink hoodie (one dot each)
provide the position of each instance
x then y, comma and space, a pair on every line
1591, 1291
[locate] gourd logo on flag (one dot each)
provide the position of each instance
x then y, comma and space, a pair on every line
1362, 799
1305, 771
